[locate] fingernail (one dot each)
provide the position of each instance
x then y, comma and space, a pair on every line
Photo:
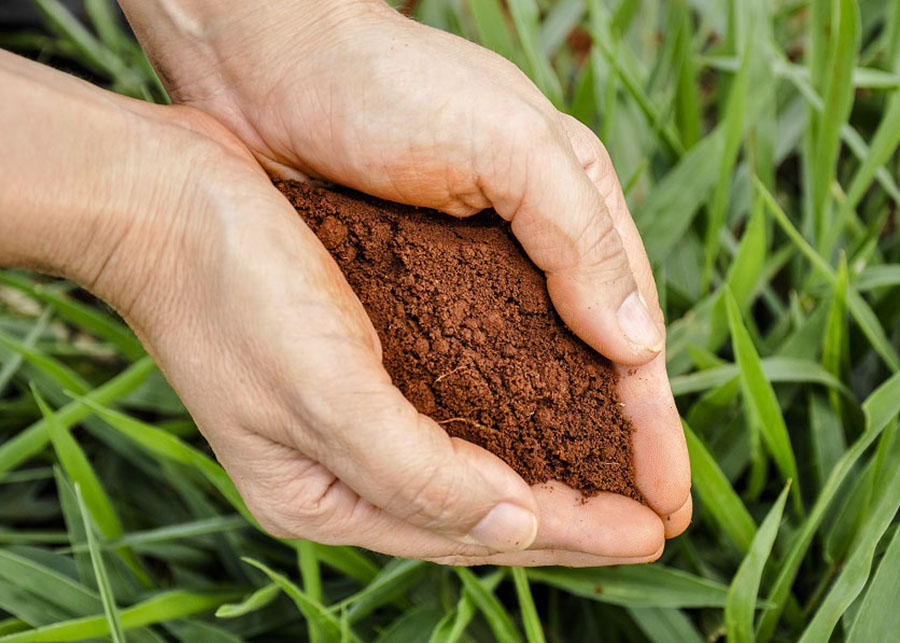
506, 527
637, 324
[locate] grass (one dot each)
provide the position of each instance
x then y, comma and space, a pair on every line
758, 145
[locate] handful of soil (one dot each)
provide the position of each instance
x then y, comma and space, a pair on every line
471, 338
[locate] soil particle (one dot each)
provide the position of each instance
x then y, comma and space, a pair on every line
471, 338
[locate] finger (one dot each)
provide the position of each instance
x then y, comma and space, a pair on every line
565, 227
607, 524
662, 469
677, 522
362, 429
293, 496
598, 167
544, 557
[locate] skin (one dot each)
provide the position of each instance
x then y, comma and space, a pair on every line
255, 327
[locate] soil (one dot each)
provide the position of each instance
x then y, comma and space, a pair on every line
470, 337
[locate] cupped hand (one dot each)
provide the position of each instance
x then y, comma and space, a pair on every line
363, 97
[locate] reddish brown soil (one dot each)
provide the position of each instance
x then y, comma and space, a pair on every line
471, 338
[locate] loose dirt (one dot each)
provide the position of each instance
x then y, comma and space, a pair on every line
471, 338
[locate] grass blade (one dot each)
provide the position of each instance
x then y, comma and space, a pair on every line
635, 586
12, 365
500, 622
878, 618
741, 602
493, 29
162, 607
734, 134
717, 494
252, 602
761, 398
859, 309
534, 631
83, 316
880, 408
311, 609
393, 580
106, 595
90, 491
452, 627
525, 17
855, 571
33, 439
837, 93
53, 368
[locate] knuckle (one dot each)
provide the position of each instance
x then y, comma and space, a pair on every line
433, 501
601, 248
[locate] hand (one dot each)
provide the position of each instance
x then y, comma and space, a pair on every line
352, 92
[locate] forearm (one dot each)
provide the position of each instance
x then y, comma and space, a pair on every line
84, 170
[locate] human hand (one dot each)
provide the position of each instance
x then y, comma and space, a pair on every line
161, 212
352, 92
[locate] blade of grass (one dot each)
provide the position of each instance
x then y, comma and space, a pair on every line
110, 610
493, 29
836, 346
52, 586
748, 264
161, 607
734, 134
33, 439
192, 529
562, 17
859, 309
761, 398
81, 315
775, 368
873, 277
393, 580
311, 609
741, 604
310, 574
105, 23
687, 103
853, 575
453, 625
882, 147
77, 466
59, 372
880, 408
12, 365
635, 586
497, 617
534, 631
663, 625
878, 618
525, 17
250, 603
603, 39
826, 437
718, 496
837, 92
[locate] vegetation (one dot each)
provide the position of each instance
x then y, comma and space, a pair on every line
757, 144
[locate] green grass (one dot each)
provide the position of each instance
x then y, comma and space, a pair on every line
764, 179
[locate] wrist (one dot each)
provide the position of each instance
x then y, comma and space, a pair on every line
99, 192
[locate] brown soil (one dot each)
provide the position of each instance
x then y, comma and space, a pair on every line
471, 338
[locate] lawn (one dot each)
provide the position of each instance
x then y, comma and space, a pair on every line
757, 144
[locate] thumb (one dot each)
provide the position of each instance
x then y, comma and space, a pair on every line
565, 227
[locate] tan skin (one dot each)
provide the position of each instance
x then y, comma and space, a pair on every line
257, 330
